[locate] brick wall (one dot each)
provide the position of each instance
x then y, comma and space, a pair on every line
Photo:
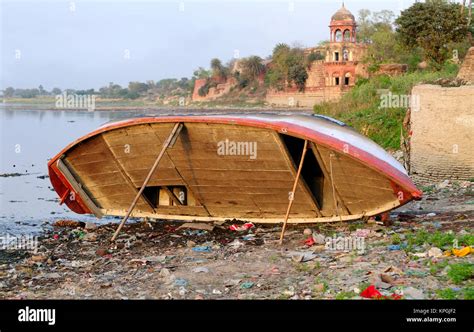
442, 142
307, 99
466, 72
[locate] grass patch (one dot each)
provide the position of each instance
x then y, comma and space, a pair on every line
345, 295
360, 109
460, 272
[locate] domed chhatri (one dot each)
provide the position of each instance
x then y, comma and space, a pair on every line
343, 26
343, 15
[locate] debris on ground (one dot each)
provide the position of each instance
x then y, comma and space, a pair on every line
418, 256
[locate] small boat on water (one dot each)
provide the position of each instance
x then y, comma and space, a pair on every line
219, 167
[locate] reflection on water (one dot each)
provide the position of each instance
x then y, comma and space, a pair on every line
28, 139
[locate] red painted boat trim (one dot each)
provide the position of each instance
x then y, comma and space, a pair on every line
400, 182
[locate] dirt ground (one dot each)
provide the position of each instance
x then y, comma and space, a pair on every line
410, 257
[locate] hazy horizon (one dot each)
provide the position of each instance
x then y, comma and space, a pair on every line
82, 45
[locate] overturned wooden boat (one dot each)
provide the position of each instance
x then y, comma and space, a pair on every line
217, 167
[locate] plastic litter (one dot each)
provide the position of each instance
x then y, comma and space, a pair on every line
202, 249
246, 285
242, 228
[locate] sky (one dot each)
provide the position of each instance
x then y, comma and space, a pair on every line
85, 44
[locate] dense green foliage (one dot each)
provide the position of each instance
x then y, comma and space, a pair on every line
360, 107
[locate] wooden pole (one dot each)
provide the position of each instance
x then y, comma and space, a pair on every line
292, 197
170, 138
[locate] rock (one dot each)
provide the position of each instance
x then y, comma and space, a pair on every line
90, 237
443, 184
435, 252
201, 269
307, 231
102, 252
38, 258
164, 272
413, 293
90, 226
387, 278
180, 282
232, 282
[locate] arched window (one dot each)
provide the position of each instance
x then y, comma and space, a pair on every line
347, 36
338, 35
347, 78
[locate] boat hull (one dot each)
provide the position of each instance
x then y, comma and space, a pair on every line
230, 166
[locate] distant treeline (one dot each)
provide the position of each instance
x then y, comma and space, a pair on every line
134, 90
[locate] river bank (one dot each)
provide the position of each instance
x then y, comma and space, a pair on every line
411, 257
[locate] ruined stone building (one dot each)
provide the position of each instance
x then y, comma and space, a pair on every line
336, 73
328, 78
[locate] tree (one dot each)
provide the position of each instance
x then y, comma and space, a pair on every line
137, 87
8, 92
56, 91
432, 26
297, 73
371, 23
201, 73
252, 67
218, 69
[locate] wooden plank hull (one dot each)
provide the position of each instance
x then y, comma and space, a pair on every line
230, 166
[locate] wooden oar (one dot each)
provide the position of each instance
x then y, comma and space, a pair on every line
292, 197
171, 138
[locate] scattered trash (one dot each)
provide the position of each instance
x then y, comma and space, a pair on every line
246, 285
202, 249
463, 251
68, 223
372, 293
199, 226
435, 252
309, 241
249, 237
90, 226
235, 244
394, 247
180, 282
413, 293
431, 214
319, 238
195, 232
201, 270
307, 231
242, 228
301, 257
